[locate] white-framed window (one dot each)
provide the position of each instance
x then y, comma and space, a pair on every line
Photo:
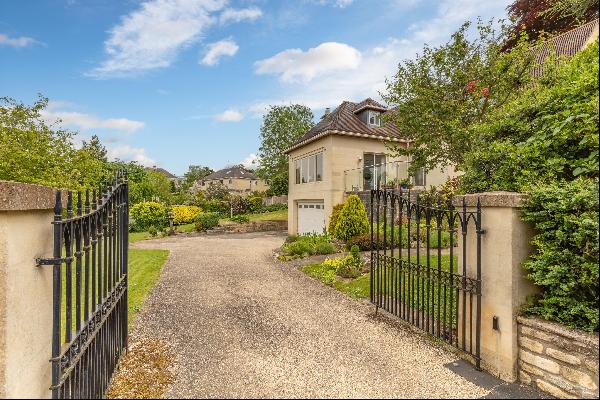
309, 169
419, 177
374, 118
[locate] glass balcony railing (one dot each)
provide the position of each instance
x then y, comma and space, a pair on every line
390, 175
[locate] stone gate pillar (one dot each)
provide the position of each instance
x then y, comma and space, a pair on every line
25, 290
504, 284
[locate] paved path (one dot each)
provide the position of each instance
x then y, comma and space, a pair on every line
245, 325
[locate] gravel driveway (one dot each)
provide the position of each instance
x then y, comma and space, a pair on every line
242, 324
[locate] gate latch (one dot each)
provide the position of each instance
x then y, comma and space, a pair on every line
52, 261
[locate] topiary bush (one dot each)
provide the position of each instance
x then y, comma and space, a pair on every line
206, 221
185, 214
352, 220
149, 213
335, 214
565, 262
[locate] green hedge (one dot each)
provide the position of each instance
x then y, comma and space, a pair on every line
565, 264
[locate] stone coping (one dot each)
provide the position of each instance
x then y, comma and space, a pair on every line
18, 196
491, 199
587, 338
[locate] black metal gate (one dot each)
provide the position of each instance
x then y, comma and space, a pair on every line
89, 289
415, 273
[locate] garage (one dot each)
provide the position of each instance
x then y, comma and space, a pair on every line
311, 217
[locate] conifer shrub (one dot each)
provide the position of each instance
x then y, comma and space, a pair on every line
352, 220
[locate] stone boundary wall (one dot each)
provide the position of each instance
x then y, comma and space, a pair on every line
267, 201
558, 360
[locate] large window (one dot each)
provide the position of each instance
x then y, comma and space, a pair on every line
373, 170
309, 169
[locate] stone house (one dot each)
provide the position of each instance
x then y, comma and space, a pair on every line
237, 180
346, 152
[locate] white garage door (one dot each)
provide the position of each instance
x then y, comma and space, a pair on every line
311, 217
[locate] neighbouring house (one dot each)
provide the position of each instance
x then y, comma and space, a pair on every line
237, 180
346, 152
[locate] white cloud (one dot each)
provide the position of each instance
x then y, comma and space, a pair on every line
56, 111
152, 36
343, 3
128, 153
367, 77
230, 115
294, 64
237, 15
251, 161
21, 41
216, 50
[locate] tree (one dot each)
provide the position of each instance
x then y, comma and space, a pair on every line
535, 17
193, 174
281, 127
441, 94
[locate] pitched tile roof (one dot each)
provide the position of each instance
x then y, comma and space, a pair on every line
566, 44
237, 171
344, 120
162, 171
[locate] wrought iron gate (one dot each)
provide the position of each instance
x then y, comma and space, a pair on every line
89, 289
415, 273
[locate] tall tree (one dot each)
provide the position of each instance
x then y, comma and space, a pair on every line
535, 17
441, 94
282, 125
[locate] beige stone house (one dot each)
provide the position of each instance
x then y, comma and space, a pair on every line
237, 180
345, 152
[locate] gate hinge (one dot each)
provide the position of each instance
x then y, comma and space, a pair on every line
52, 261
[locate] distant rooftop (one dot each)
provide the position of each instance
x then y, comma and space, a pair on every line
237, 171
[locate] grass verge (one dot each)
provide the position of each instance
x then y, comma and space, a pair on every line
144, 270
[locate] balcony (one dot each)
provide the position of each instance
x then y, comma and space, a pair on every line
386, 175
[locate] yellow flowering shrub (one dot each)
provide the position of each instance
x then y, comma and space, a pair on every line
185, 214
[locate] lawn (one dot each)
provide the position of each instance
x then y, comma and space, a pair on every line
144, 270
360, 287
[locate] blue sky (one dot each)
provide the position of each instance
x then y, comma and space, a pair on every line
180, 82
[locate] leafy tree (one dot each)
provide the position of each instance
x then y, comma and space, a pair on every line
545, 142
216, 191
281, 127
441, 94
536, 17
549, 132
193, 174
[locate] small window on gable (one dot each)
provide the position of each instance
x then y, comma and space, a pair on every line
374, 118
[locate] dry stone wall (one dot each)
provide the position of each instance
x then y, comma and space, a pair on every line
558, 360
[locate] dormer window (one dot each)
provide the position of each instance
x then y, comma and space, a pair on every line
374, 118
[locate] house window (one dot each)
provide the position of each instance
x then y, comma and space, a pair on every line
419, 177
319, 162
298, 171
373, 170
304, 170
374, 118
309, 169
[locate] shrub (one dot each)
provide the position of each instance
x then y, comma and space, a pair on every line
352, 220
152, 231
335, 214
291, 238
149, 213
308, 245
241, 218
206, 221
352, 265
363, 242
218, 206
275, 207
185, 214
239, 205
565, 263
255, 204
